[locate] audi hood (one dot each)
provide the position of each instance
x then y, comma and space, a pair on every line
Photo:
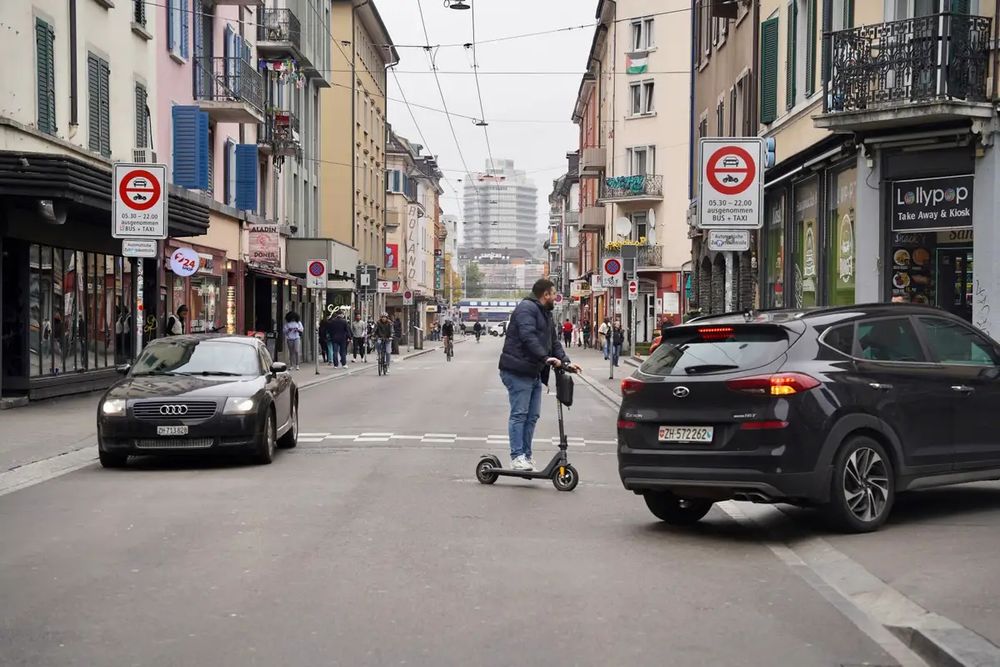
185, 386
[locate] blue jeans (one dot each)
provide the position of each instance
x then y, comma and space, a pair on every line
382, 347
525, 396
336, 351
616, 350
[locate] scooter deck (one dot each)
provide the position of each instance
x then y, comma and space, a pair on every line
545, 473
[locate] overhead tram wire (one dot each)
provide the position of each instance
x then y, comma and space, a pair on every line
444, 104
482, 110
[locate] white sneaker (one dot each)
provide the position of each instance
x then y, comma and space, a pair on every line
531, 462
520, 463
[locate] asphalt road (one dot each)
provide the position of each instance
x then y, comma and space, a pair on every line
372, 544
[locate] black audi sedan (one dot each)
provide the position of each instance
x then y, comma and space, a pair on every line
199, 392
841, 408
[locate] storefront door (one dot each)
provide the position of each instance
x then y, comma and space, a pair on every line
955, 282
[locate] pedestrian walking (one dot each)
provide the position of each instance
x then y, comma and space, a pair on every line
337, 334
359, 332
603, 337
322, 337
567, 332
397, 334
176, 323
586, 333
293, 336
617, 339
529, 348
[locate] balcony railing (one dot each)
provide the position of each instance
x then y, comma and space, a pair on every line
649, 256
624, 188
228, 79
279, 26
592, 161
928, 58
280, 132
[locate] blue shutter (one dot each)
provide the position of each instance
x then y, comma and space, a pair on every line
171, 37
185, 22
246, 177
190, 147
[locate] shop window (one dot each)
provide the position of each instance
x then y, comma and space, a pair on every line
805, 235
775, 251
840, 259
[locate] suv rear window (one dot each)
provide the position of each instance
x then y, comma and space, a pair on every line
700, 350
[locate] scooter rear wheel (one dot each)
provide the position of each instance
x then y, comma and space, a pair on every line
567, 480
483, 469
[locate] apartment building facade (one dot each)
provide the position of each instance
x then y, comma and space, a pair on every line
354, 135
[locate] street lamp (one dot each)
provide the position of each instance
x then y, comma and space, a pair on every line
457, 4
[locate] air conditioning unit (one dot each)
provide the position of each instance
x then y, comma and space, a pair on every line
144, 155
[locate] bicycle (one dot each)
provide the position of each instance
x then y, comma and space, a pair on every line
382, 349
449, 348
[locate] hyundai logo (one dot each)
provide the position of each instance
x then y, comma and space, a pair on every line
682, 392
173, 410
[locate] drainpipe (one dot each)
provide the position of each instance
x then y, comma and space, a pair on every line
694, 74
996, 51
827, 56
73, 112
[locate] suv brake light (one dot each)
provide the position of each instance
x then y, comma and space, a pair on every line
631, 386
779, 384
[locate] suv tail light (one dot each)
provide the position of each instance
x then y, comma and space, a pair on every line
779, 384
631, 386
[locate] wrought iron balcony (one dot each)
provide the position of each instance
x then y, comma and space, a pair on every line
230, 89
279, 133
279, 35
643, 187
916, 70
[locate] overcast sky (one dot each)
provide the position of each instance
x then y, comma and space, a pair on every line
545, 99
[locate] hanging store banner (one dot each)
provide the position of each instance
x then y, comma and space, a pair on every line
930, 204
265, 244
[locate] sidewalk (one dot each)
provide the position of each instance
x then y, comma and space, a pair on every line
596, 370
43, 429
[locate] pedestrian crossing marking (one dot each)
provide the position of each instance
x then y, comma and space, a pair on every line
443, 438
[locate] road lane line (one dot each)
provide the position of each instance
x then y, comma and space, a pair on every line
440, 435
440, 440
364, 439
407, 437
471, 438
376, 435
341, 437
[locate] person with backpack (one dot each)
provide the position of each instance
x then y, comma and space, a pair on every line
176, 323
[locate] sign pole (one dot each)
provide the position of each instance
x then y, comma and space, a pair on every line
138, 313
318, 319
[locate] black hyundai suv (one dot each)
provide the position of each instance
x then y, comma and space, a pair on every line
834, 407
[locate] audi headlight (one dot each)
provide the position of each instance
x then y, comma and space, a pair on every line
113, 407
238, 406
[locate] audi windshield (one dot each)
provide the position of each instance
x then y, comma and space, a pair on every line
197, 357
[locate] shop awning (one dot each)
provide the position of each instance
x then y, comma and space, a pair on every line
275, 272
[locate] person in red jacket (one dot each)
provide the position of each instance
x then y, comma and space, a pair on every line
567, 329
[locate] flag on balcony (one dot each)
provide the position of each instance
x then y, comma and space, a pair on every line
636, 65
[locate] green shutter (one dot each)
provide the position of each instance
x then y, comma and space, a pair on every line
105, 108
810, 47
93, 103
791, 45
769, 71
140, 116
849, 13
45, 76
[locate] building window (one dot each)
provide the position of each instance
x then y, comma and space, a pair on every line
98, 105
640, 228
139, 12
840, 238
141, 126
641, 160
769, 71
843, 14
706, 30
774, 255
720, 119
178, 22
703, 126
642, 35
45, 76
733, 106
805, 236
641, 99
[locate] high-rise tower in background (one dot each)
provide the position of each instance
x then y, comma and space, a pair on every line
500, 207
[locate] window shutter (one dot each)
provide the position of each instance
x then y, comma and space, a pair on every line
227, 174
810, 47
45, 76
105, 81
960, 7
190, 147
246, 177
185, 23
849, 9
769, 71
171, 37
93, 103
793, 20
141, 138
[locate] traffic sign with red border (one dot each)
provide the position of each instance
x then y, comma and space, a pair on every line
633, 290
139, 201
731, 184
316, 273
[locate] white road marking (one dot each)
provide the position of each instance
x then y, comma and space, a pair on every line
46, 469
312, 435
340, 437
440, 435
376, 435
446, 438
362, 439
407, 437
441, 440
471, 438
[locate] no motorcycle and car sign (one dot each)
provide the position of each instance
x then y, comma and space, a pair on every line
731, 184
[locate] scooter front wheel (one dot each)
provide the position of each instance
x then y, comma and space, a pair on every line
565, 478
484, 468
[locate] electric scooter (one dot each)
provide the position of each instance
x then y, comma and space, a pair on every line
563, 475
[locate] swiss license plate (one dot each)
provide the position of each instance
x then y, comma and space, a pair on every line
699, 434
171, 430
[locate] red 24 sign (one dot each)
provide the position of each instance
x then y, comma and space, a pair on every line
184, 262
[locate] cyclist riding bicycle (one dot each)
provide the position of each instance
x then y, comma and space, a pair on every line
478, 328
448, 334
383, 336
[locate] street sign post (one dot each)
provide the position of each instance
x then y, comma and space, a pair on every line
612, 272
731, 183
139, 204
407, 298
139, 248
633, 290
316, 272
384, 287
559, 298
729, 240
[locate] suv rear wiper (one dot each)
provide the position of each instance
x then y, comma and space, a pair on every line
709, 368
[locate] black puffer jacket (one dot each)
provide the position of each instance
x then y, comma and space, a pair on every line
531, 339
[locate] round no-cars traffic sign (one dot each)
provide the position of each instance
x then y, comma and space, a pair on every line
316, 269
731, 170
612, 266
139, 190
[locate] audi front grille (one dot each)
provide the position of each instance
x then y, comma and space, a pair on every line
160, 410
174, 443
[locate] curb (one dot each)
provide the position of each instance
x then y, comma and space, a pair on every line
604, 392
948, 647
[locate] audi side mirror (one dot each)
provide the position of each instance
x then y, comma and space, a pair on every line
278, 367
